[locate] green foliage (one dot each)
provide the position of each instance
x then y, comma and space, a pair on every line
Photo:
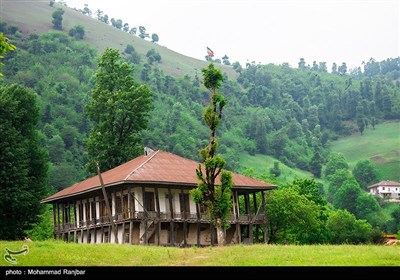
119, 109
275, 170
346, 196
5, 47
216, 198
366, 205
366, 173
293, 218
335, 162
43, 229
78, 32
153, 56
346, 229
310, 189
23, 168
57, 18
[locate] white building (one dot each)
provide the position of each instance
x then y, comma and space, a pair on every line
386, 189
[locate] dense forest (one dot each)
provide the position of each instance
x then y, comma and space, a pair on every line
291, 114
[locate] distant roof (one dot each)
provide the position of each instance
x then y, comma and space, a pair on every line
156, 168
386, 183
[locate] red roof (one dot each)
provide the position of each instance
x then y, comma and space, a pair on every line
386, 183
158, 167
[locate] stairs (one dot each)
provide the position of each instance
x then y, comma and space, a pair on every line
150, 229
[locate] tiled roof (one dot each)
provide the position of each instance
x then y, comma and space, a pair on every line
159, 167
386, 183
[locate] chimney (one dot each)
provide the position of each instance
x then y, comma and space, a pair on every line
147, 151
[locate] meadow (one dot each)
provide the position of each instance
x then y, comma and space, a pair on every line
59, 253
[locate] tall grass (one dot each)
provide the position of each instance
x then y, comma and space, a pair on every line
58, 253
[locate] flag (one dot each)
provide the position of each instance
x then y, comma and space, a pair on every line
210, 52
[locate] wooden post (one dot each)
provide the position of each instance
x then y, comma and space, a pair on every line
107, 203
171, 225
130, 231
255, 214
198, 223
75, 221
158, 215
265, 216
54, 218
145, 214
183, 207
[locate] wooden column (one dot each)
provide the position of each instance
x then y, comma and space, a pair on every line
54, 206
171, 225
250, 225
145, 214
211, 234
158, 231
265, 216
183, 207
130, 231
198, 223
75, 220
255, 214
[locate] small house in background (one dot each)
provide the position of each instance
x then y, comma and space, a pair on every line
150, 203
386, 189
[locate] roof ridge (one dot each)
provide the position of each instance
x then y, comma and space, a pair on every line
133, 171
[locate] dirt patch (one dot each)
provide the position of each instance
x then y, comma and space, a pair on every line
378, 159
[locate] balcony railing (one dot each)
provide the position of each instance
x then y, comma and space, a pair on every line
153, 215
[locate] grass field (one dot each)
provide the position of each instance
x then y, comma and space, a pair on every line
380, 145
58, 253
263, 163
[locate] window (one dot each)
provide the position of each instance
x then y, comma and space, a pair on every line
150, 204
167, 205
118, 205
184, 203
87, 210
80, 211
93, 206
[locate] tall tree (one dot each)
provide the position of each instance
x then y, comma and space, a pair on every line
119, 109
366, 173
216, 198
23, 162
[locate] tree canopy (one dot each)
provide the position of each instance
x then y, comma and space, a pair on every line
23, 162
119, 108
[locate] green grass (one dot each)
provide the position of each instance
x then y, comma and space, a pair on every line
263, 163
380, 145
57, 253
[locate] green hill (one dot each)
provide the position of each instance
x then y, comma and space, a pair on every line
380, 145
97, 34
263, 163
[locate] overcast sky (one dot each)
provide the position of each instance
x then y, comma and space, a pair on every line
266, 31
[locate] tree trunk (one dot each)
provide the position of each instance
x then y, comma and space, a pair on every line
220, 233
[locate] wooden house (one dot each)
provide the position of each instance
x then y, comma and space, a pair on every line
150, 203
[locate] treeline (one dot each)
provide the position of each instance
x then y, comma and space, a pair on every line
101, 16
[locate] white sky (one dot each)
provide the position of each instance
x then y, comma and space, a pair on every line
266, 31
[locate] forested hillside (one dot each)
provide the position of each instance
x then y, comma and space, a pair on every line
290, 114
